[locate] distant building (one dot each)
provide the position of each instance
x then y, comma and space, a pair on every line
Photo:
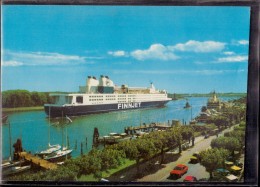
214, 102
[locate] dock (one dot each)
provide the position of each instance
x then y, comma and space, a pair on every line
132, 133
38, 161
147, 128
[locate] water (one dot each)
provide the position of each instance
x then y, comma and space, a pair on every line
33, 126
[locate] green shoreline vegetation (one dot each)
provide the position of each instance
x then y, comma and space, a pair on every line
114, 158
185, 95
24, 100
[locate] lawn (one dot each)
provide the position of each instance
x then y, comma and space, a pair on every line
105, 174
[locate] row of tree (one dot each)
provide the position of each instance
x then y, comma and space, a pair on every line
222, 148
24, 98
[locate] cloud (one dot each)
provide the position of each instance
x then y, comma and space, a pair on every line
243, 42
199, 47
162, 52
237, 58
239, 42
156, 52
118, 53
228, 53
181, 72
11, 63
12, 58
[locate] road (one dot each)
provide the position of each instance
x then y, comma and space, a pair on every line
161, 173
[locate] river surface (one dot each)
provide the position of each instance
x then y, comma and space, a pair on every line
36, 130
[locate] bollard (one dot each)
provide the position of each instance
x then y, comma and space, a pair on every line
81, 148
76, 145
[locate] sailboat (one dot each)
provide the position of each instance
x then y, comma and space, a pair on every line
51, 148
10, 167
192, 121
62, 154
9, 163
4, 118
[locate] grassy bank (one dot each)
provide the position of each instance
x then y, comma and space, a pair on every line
22, 109
105, 174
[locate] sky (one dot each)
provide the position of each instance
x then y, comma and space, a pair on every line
180, 49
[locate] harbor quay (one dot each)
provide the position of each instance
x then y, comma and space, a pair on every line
132, 132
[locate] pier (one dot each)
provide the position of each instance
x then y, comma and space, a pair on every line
37, 161
149, 127
132, 132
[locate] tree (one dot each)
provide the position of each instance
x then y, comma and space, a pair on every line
220, 121
146, 150
212, 159
230, 143
24, 98
239, 135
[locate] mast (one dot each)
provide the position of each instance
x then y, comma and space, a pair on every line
191, 112
140, 119
49, 131
10, 140
62, 127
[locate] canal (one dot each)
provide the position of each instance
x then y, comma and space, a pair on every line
36, 130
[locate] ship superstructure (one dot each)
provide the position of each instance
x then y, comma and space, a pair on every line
103, 96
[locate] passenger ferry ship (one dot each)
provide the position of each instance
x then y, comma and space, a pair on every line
104, 96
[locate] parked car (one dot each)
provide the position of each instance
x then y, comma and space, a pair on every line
238, 163
195, 158
206, 136
104, 180
179, 170
232, 178
235, 170
185, 146
190, 178
221, 172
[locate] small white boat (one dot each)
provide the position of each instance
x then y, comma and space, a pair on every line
15, 170
58, 155
8, 164
51, 149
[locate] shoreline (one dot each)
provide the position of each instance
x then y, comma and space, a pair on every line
22, 109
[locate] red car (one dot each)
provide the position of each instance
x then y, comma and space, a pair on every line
190, 178
179, 170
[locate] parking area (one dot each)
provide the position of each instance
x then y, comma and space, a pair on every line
196, 170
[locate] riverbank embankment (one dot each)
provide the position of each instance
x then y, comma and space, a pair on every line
22, 109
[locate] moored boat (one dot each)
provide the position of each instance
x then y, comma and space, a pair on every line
187, 105
49, 150
15, 169
8, 164
4, 118
59, 155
